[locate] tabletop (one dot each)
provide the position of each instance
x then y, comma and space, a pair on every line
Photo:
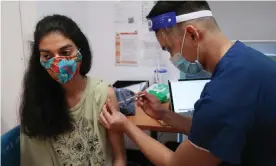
144, 122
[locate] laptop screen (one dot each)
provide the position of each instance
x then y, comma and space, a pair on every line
184, 94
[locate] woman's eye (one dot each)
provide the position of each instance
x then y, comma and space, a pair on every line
47, 56
66, 53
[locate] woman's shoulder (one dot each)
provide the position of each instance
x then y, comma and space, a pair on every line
99, 89
97, 83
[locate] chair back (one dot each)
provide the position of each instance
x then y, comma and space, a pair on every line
10, 147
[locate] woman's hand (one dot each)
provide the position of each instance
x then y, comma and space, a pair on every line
116, 138
111, 118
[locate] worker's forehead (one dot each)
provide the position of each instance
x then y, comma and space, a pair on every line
160, 35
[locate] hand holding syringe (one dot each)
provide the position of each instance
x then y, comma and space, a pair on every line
132, 98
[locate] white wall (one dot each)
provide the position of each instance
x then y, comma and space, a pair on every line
96, 20
246, 20
12, 64
239, 20
32, 12
102, 36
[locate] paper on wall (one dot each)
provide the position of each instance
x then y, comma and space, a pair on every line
125, 12
152, 52
146, 8
127, 48
133, 49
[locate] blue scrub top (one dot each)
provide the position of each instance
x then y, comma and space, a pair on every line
235, 117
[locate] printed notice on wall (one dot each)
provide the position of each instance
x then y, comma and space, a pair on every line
152, 52
146, 8
124, 13
127, 48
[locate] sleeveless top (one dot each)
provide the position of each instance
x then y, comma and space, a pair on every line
86, 145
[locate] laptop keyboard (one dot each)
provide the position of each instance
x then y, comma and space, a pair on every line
187, 113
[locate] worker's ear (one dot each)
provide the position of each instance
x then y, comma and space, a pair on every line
192, 34
193, 37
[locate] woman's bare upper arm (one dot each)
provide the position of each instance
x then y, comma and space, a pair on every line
112, 96
116, 138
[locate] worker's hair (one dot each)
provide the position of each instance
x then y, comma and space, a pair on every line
44, 111
181, 7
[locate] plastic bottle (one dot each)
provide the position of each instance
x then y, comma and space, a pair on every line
161, 76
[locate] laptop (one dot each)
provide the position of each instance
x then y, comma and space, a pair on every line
133, 85
184, 94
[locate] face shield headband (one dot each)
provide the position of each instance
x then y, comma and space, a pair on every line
169, 20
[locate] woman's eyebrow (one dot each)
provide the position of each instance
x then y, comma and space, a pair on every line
66, 47
62, 48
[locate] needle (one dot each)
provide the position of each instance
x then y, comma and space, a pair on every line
131, 98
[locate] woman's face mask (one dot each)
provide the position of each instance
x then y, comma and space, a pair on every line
63, 68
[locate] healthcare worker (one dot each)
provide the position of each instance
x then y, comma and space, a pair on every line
234, 121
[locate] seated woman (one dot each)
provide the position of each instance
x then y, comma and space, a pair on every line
60, 104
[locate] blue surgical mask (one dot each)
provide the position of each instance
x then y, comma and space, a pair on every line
184, 65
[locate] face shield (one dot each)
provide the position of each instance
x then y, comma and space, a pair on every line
169, 20
161, 24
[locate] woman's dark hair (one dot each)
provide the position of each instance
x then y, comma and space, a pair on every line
44, 112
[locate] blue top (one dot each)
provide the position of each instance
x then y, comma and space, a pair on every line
235, 117
161, 71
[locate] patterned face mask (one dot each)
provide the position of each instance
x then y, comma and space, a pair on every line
63, 68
